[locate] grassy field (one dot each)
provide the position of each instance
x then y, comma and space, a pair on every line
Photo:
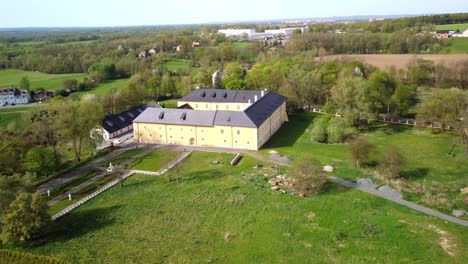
433, 178
12, 77
225, 214
15, 116
123, 157
179, 66
456, 45
461, 27
171, 103
103, 88
155, 160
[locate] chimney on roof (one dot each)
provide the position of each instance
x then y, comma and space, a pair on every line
249, 101
256, 98
263, 93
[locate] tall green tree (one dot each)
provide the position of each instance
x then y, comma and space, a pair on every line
384, 86
449, 107
25, 83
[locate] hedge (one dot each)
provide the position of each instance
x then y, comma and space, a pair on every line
16, 257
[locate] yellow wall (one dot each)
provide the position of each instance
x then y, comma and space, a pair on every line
215, 136
215, 106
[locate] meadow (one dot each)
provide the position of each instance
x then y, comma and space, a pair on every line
12, 77
181, 66
456, 45
461, 27
103, 88
431, 177
224, 214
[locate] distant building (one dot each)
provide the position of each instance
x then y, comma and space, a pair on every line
143, 54
154, 50
180, 48
122, 123
464, 34
253, 35
195, 44
444, 33
243, 119
216, 78
12, 96
42, 96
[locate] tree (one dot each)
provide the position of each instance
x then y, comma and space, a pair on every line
338, 131
354, 99
71, 84
319, 131
404, 98
360, 149
236, 85
307, 175
103, 71
76, 119
153, 87
392, 163
202, 78
384, 85
24, 83
27, 216
448, 107
40, 160
167, 85
232, 72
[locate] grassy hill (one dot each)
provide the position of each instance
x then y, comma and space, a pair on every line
225, 214
12, 77
102, 88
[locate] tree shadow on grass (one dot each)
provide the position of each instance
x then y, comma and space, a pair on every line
199, 176
331, 188
290, 131
416, 173
77, 224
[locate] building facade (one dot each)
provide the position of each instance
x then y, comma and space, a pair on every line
215, 118
12, 96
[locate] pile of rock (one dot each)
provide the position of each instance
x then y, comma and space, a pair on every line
280, 181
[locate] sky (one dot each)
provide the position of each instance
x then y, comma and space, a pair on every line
97, 13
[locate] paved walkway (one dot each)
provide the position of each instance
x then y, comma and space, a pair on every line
93, 180
411, 205
116, 181
83, 169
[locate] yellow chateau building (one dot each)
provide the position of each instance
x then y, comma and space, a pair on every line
239, 119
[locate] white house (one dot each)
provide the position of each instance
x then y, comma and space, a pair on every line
230, 32
12, 96
122, 123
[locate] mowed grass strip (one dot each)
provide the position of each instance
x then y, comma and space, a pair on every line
155, 160
461, 27
216, 215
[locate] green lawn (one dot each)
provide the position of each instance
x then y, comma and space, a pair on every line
15, 117
12, 77
73, 183
171, 103
217, 215
124, 156
155, 160
103, 88
461, 27
179, 65
434, 178
456, 45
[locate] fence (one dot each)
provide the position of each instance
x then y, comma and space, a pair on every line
116, 181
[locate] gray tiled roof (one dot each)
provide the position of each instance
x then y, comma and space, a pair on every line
176, 117
221, 96
112, 123
253, 116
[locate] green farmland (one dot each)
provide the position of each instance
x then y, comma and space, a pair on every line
38, 80
461, 27
456, 45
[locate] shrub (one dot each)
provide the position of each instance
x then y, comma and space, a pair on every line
338, 131
319, 131
360, 149
307, 175
328, 108
392, 163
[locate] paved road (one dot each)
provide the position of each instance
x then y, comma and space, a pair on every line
23, 105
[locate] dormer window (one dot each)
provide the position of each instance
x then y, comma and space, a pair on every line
183, 116
203, 94
161, 115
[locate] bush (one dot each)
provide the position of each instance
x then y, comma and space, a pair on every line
307, 175
360, 149
392, 163
319, 131
338, 131
15, 257
328, 108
